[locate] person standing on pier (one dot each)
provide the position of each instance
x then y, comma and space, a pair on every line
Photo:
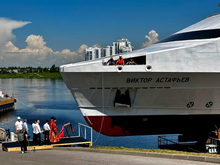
18, 125
38, 133
25, 125
23, 138
46, 132
34, 131
54, 134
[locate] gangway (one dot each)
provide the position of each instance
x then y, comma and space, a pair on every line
81, 138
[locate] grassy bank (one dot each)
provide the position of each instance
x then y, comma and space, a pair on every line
156, 151
55, 75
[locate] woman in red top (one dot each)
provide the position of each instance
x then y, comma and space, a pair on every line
120, 61
54, 134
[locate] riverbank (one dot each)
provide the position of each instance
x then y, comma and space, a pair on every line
55, 75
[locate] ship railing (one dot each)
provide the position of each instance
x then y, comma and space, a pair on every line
82, 131
213, 145
214, 141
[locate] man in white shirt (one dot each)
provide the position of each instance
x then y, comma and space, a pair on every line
18, 125
34, 131
46, 132
38, 132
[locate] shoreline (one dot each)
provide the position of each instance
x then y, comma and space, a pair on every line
55, 75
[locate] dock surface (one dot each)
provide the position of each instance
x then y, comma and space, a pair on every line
15, 146
48, 157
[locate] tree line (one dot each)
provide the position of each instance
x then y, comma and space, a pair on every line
52, 69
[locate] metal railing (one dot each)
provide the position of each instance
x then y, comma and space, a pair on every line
85, 130
162, 140
172, 140
214, 141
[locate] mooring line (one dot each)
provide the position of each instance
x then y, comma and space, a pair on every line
103, 109
25, 104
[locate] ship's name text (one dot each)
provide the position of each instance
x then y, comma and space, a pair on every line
158, 80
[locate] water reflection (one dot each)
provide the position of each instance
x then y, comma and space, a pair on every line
7, 116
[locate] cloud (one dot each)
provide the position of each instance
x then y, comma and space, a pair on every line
36, 52
97, 45
35, 42
9, 47
6, 27
152, 38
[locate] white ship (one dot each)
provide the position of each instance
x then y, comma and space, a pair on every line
174, 89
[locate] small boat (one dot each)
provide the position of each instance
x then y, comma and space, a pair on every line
6, 102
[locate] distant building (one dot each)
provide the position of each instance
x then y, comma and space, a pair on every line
122, 46
16, 71
93, 53
27, 71
7, 70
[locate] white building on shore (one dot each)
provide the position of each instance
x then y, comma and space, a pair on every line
122, 46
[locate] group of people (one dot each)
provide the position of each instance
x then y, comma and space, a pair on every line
120, 61
50, 131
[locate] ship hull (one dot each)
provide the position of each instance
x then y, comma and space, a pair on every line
7, 105
153, 125
123, 104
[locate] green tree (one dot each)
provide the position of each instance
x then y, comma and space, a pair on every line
53, 68
40, 70
45, 69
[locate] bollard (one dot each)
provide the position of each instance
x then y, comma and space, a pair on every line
12, 136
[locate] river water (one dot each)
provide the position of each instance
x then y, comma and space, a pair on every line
43, 98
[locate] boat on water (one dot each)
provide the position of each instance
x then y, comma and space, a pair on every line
174, 89
6, 102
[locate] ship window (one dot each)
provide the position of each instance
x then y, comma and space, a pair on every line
202, 34
90, 54
141, 60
